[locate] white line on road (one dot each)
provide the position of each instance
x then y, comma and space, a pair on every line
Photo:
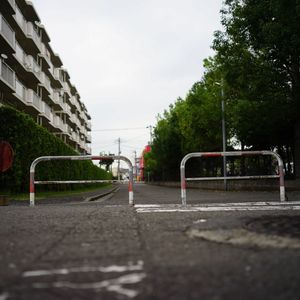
113, 285
116, 285
85, 269
258, 206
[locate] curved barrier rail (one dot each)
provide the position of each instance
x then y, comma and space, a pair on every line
79, 157
233, 153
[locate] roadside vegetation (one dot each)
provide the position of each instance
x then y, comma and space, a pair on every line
256, 70
40, 194
30, 141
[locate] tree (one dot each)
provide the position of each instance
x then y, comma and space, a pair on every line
260, 55
166, 148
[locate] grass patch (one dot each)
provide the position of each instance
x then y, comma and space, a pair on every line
42, 194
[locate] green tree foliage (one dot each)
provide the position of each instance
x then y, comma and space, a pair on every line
30, 141
191, 124
166, 148
259, 52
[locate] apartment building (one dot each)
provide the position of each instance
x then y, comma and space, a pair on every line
34, 80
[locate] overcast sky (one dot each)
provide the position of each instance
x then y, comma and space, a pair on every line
130, 59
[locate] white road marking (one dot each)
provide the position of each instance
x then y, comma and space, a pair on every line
113, 285
86, 269
215, 207
221, 204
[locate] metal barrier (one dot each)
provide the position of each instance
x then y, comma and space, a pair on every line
234, 153
81, 157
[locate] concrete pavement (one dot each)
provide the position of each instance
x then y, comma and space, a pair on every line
108, 250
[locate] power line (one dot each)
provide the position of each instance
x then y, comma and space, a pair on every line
118, 129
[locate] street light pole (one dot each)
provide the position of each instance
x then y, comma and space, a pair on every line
119, 153
223, 134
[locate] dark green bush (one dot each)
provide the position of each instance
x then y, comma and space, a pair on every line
29, 141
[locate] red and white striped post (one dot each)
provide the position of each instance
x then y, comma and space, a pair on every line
233, 153
79, 157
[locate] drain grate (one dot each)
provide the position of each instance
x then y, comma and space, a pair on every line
288, 226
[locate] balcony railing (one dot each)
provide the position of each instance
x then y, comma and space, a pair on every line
20, 54
21, 20
31, 33
46, 54
57, 98
34, 99
7, 32
67, 88
46, 110
7, 74
32, 66
77, 104
89, 138
21, 91
75, 137
89, 125
67, 109
46, 82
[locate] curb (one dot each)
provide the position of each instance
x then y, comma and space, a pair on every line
96, 197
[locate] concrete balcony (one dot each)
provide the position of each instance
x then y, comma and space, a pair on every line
66, 110
88, 138
7, 78
65, 129
45, 55
34, 41
88, 150
67, 89
78, 123
45, 83
89, 125
54, 77
58, 101
57, 81
82, 144
46, 112
73, 101
77, 103
34, 100
7, 37
73, 120
58, 123
33, 66
75, 137
21, 92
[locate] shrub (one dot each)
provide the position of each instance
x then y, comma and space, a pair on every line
29, 141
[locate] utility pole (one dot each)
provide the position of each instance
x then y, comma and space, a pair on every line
150, 128
119, 153
135, 165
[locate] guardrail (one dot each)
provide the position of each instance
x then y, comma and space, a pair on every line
280, 174
81, 157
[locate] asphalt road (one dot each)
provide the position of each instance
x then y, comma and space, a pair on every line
108, 250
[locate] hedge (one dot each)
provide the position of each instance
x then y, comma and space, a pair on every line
29, 141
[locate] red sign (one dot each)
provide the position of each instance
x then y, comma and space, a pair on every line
6, 156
